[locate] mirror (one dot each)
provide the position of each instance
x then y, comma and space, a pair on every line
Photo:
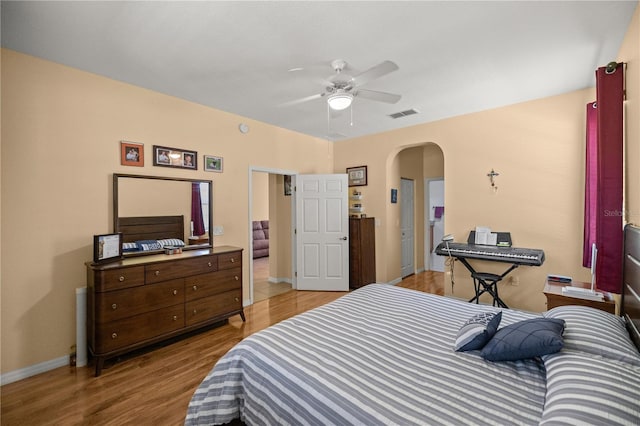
155, 208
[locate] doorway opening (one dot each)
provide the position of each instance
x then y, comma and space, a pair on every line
270, 235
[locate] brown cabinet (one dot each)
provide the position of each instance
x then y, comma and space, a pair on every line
362, 252
142, 300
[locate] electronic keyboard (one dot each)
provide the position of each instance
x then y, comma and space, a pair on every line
517, 256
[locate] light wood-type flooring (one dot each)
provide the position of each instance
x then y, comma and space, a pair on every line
262, 288
153, 387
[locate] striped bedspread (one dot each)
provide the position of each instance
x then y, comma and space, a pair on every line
381, 355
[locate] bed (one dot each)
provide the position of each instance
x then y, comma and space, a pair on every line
383, 355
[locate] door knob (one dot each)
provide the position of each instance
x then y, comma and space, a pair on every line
343, 238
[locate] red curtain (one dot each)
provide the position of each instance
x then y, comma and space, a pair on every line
609, 209
590, 184
196, 210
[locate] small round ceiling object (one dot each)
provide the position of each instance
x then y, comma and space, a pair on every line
244, 128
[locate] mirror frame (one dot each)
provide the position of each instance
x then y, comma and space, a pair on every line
116, 218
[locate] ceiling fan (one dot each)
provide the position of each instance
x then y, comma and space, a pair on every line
341, 88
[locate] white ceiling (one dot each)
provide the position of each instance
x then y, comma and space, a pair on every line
454, 57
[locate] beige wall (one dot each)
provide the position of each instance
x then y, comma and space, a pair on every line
537, 147
60, 142
260, 189
630, 53
60, 145
279, 230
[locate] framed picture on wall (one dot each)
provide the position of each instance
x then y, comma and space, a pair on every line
107, 247
131, 154
212, 163
173, 157
357, 175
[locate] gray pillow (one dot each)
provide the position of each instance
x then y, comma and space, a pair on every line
477, 331
525, 339
596, 332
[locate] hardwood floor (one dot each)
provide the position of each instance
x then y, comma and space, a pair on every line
155, 386
262, 288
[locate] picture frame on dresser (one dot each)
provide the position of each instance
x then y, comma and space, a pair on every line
107, 247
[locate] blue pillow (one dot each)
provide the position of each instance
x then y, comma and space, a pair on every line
128, 247
174, 242
477, 331
525, 339
148, 245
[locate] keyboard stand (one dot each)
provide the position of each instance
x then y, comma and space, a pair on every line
484, 282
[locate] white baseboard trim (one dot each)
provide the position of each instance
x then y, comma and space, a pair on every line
279, 280
23, 373
394, 282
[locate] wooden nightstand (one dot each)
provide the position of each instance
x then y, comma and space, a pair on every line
553, 292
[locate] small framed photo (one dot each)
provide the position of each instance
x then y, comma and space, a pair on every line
357, 176
174, 157
107, 247
212, 164
131, 154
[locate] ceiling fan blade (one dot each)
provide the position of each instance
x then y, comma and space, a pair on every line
374, 95
301, 100
372, 73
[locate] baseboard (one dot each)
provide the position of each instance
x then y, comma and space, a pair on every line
279, 280
394, 282
23, 373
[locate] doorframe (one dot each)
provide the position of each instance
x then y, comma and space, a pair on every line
427, 215
413, 226
250, 224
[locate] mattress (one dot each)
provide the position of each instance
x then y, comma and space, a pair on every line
381, 355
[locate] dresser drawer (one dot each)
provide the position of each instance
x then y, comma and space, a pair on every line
114, 279
180, 268
118, 334
116, 305
229, 260
213, 307
206, 285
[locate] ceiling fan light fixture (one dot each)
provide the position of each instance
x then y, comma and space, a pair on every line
340, 100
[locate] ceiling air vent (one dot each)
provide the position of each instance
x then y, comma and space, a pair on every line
403, 113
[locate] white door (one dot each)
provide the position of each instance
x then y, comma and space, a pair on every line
322, 232
406, 227
436, 222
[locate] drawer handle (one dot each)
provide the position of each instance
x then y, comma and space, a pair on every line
114, 306
209, 264
233, 260
236, 299
195, 287
121, 278
175, 292
157, 273
236, 277
114, 335
195, 311
175, 318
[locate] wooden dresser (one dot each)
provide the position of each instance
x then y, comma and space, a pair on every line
142, 300
362, 252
